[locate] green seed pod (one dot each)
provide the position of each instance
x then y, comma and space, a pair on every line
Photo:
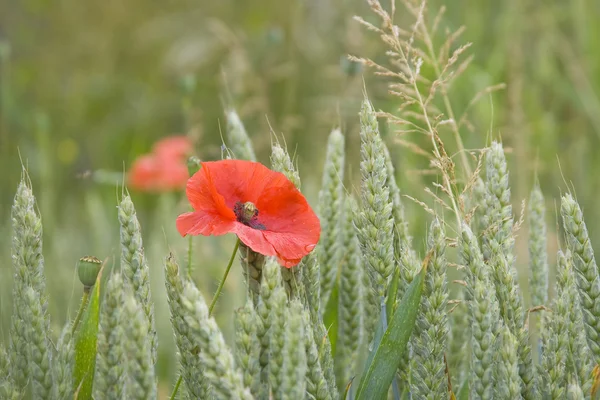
193, 164
88, 269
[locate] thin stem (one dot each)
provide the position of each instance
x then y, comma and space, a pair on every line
436, 151
176, 388
214, 300
84, 300
447, 104
212, 304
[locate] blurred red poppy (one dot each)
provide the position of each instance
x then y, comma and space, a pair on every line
262, 207
165, 168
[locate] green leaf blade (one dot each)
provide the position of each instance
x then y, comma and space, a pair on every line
86, 340
330, 317
380, 372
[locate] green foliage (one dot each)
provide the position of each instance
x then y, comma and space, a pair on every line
86, 339
379, 373
311, 331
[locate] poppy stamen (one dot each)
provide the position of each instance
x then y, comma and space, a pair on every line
247, 214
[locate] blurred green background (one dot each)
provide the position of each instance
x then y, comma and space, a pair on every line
87, 87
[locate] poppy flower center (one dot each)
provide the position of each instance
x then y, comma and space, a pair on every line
247, 214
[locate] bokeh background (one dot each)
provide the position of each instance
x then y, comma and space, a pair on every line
86, 87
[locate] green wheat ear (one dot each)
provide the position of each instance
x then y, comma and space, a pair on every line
351, 297
216, 361
374, 220
537, 248
484, 317
29, 351
63, 364
109, 379
282, 162
556, 331
330, 206
247, 346
135, 268
292, 375
140, 379
508, 381
237, 137
430, 338
8, 389
588, 283
189, 363
498, 245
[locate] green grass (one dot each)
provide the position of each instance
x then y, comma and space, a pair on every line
88, 89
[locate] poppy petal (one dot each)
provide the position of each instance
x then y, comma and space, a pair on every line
203, 223
290, 246
240, 180
143, 173
173, 147
254, 239
203, 195
172, 175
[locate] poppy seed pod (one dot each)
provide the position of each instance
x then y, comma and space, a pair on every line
88, 269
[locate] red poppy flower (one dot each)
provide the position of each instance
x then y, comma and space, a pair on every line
165, 168
262, 207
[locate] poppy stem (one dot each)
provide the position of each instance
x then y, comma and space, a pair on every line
212, 304
84, 301
216, 296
